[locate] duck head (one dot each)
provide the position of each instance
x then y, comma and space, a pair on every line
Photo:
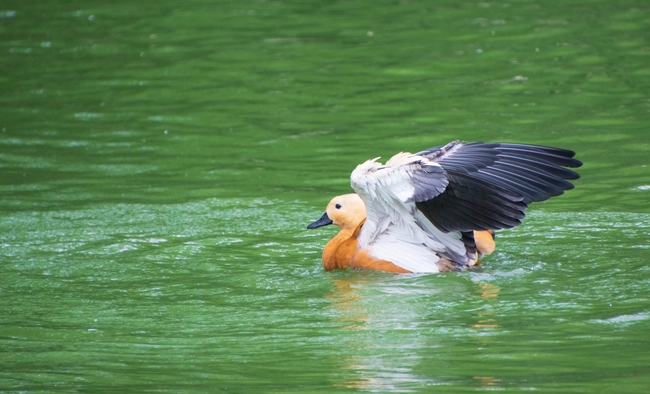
346, 211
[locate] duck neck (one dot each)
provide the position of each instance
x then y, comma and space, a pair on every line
340, 250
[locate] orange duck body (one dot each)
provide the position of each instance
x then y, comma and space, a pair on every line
342, 251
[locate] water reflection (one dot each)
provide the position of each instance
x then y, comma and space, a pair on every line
380, 361
384, 318
488, 291
344, 300
488, 382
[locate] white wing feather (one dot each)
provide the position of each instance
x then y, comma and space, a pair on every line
394, 229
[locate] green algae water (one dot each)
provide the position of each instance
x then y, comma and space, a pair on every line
159, 162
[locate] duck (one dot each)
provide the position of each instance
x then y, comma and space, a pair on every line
437, 210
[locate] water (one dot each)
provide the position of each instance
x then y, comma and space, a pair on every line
159, 164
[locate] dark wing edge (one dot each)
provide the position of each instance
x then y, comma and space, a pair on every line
492, 184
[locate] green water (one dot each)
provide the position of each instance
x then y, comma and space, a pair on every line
159, 162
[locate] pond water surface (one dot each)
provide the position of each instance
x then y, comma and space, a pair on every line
159, 162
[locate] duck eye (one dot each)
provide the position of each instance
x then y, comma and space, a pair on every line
338, 206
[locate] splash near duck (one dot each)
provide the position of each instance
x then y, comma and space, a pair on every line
437, 210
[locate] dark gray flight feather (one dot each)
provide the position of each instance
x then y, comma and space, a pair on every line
491, 185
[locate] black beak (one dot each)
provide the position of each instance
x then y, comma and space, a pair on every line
323, 221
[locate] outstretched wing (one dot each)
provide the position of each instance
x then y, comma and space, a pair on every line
437, 197
490, 185
394, 224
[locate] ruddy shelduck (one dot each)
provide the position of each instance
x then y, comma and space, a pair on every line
437, 210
